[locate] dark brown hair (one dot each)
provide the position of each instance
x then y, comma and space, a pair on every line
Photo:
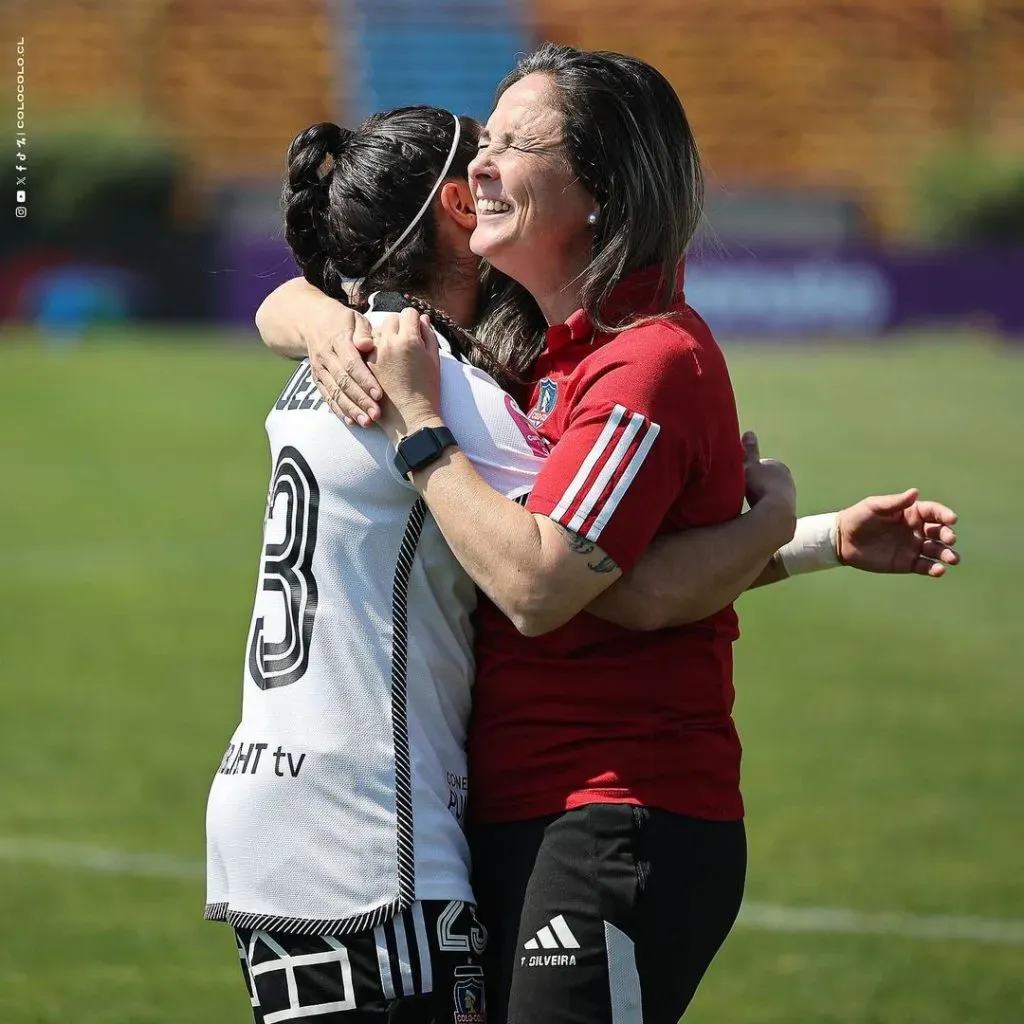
631, 146
348, 196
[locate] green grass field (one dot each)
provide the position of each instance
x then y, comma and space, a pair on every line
883, 718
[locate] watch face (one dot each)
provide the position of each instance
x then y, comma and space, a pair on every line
419, 447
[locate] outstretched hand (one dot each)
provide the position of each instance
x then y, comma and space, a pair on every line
898, 533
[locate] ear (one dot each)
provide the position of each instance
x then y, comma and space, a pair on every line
457, 202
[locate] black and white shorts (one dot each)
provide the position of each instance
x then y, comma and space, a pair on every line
606, 914
421, 967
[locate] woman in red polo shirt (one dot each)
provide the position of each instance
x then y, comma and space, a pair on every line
608, 834
609, 842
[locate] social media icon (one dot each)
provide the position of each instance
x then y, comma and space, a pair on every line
21, 211
19, 196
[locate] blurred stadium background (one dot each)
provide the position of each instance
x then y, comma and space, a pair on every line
863, 260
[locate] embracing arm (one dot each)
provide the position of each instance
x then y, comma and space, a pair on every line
774, 572
541, 574
297, 319
530, 561
536, 571
686, 577
283, 313
544, 564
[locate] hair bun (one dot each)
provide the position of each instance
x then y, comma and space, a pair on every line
310, 150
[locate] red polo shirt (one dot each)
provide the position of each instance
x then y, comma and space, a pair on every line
645, 441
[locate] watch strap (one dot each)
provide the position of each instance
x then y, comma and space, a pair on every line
441, 437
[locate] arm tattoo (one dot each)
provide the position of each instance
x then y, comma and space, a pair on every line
581, 546
577, 545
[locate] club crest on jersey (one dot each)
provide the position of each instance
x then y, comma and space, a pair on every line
468, 995
536, 443
546, 398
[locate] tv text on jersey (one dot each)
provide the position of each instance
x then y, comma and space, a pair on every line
247, 759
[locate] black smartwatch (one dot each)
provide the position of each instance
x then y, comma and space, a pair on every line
422, 448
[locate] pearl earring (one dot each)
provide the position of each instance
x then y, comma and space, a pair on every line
592, 218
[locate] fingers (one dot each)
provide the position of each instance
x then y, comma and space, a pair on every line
346, 383
751, 447
938, 538
409, 321
925, 567
938, 552
400, 329
362, 341
936, 512
339, 381
935, 558
339, 403
358, 382
893, 502
385, 330
336, 357
427, 334
940, 532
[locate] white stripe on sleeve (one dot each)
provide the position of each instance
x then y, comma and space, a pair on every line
623, 485
586, 508
589, 462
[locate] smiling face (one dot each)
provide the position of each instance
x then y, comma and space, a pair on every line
531, 208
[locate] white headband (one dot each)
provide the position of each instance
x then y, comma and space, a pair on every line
426, 206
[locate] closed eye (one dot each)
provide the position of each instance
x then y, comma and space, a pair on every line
508, 141
487, 142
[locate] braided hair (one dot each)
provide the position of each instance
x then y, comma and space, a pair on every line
463, 344
306, 198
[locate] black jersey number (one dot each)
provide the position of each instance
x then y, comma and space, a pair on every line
287, 570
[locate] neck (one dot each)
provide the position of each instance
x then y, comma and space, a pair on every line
458, 298
558, 306
558, 303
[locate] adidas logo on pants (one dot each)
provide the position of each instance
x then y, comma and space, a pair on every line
555, 935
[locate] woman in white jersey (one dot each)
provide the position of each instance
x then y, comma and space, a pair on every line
335, 841
335, 845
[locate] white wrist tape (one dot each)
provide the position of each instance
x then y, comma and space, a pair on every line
813, 547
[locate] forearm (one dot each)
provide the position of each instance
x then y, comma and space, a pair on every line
283, 312
774, 572
812, 548
497, 541
685, 577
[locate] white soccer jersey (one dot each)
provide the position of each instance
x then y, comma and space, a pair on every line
340, 798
